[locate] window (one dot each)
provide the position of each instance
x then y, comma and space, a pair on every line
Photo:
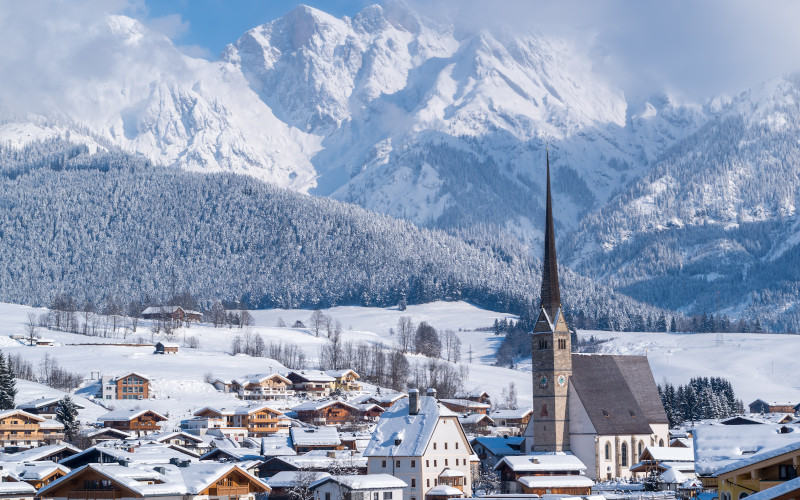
456, 444
562, 343
434, 446
661, 443
641, 444
786, 472
624, 454
428, 483
413, 483
434, 463
327, 496
427, 463
397, 463
445, 462
375, 496
743, 494
387, 495
608, 451
413, 464
383, 463
445, 445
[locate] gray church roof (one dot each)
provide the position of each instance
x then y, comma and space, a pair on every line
618, 393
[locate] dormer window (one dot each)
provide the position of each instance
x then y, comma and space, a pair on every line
605, 414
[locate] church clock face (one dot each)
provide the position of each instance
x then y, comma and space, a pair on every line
543, 382
562, 380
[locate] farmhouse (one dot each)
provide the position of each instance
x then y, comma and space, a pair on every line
466, 406
369, 486
255, 421
305, 439
260, 387
312, 382
331, 412
761, 406
21, 429
134, 422
166, 348
515, 419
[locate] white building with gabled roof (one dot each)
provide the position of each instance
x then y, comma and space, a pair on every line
421, 442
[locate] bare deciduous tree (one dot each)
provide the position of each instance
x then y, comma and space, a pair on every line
31, 329
317, 321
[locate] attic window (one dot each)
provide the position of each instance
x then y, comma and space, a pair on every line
605, 414
397, 441
633, 414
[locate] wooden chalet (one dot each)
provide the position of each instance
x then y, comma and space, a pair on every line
329, 412
478, 396
134, 422
20, 429
761, 406
53, 452
345, 380
96, 436
132, 385
513, 419
190, 481
166, 348
384, 400
311, 382
465, 406
45, 407
544, 473
476, 423
257, 421
12, 487
260, 387
37, 474
305, 439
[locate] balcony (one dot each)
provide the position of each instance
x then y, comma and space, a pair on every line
232, 491
93, 494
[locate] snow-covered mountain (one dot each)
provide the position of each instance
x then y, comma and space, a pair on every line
176, 110
715, 224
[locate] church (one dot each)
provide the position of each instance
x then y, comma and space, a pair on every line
604, 409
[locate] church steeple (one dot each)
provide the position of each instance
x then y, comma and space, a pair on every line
551, 296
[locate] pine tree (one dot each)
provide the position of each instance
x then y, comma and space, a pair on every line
67, 414
8, 390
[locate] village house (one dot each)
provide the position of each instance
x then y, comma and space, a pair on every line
544, 473
602, 408
20, 429
13, 488
657, 460
37, 474
421, 442
345, 380
260, 387
135, 422
254, 421
315, 460
790, 490
282, 483
759, 472
382, 400
176, 314
466, 406
476, 423
366, 487
190, 481
478, 396
166, 348
330, 412
93, 436
130, 454
515, 420
305, 439
52, 452
492, 449
761, 406
129, 386
45, 407
312, 382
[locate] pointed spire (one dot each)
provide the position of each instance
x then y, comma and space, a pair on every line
551, 296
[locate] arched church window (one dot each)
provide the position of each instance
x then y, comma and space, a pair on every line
608, 451
661, 443
624, 454
743, 494
641, 445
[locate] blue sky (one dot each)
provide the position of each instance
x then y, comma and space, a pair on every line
205, 27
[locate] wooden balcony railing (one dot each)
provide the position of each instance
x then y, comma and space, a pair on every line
93, 494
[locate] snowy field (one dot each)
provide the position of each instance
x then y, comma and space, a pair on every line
758, 365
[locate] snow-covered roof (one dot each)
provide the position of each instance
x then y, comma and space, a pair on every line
90, 432
161, 480
363, 482
161, 309
718, 446
474, 418
8, 413
315, 436
144, 454
15, 487
41, 402
287, 479
760, 457
313, 375
500, 446
318, 405
257, 378
40, 452
238, 410
573, 481
273, 446
31, 471
51, 424
673, 476
448, 472
790, 486
399, 434
542, 461
508, 414
341, 373
670, 454
381, 398
443, 490
466, 403
117, 415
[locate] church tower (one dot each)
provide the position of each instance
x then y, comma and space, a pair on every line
551, 354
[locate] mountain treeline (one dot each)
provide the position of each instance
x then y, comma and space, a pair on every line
111, 228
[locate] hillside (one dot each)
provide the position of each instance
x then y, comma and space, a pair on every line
108, 227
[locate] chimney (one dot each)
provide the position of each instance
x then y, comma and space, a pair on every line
413, 402
432, 392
